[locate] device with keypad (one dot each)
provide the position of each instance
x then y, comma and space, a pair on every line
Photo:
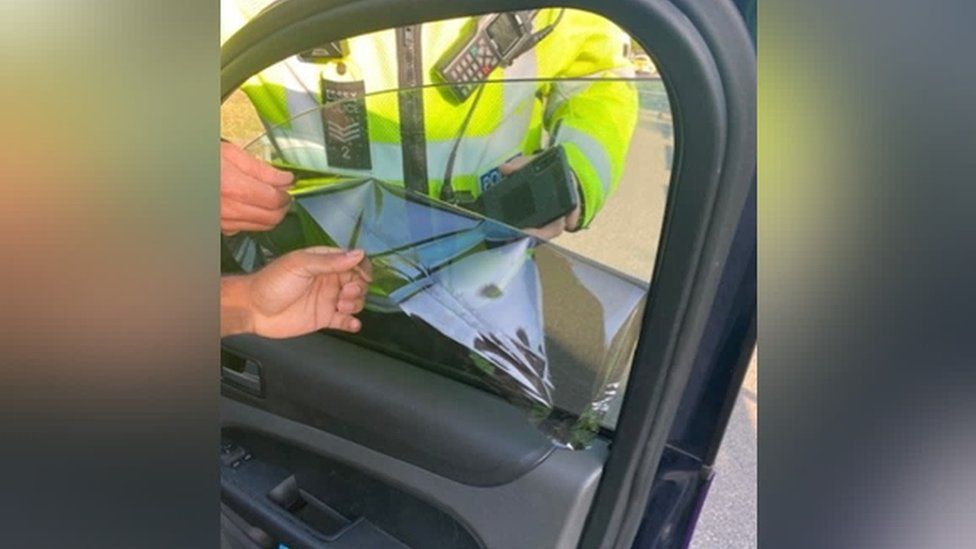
496, 41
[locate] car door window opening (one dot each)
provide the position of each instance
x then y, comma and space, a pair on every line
550, 328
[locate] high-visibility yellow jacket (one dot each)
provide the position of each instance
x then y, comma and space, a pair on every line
570, 89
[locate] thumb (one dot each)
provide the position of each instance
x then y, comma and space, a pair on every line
271, 175
508, 168
255, 167
325, 260
515, 164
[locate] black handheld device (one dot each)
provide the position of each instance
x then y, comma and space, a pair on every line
540, 192
496, 40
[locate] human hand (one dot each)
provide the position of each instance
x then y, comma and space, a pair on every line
568, 222
298, 293
252, 192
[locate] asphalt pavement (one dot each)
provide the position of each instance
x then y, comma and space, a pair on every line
728, 519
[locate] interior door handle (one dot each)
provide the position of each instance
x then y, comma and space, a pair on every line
241, 372
291, 531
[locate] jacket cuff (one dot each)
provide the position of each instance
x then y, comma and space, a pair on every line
591, 190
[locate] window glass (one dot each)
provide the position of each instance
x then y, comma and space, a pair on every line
529, 284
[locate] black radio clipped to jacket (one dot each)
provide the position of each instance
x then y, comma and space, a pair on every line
496, 41
537, 194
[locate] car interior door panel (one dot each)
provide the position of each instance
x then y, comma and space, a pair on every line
450, 429
546, 507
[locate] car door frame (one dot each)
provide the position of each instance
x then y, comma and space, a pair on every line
706, 58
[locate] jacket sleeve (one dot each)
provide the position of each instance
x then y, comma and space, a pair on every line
590, 111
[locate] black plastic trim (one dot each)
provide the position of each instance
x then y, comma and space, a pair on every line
330, 495
293, 532
410, 413
700, 225
544, 508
